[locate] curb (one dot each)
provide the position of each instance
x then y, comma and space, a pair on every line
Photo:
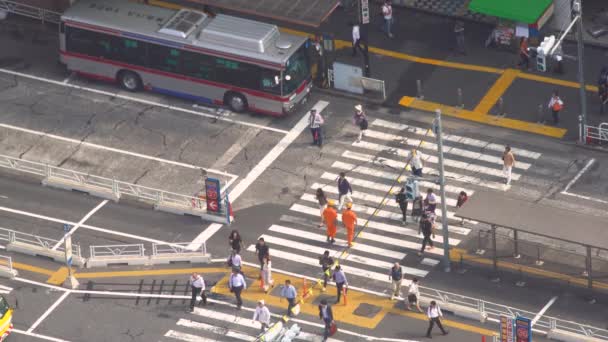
342, 94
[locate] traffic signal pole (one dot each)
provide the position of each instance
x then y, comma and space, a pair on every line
581, 71
444, 210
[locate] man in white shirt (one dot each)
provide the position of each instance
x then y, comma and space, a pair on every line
434, 314
262, 315
416, 163
413, 295
387, 13
315, 121
236, 261
197, 284
356, 39
340, 278
237, 284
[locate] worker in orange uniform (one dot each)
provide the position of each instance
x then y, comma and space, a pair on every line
349, 219
330, 215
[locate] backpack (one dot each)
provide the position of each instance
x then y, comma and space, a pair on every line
557, 105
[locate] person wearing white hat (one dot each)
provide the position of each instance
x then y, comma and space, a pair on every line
262, 315
360, 119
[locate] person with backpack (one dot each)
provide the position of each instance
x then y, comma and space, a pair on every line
326, 263
401, 199
426, 229
360, 120
555, 105
315, 122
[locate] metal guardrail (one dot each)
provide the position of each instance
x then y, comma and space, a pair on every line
596, 135
111, 186
11, 236
374, 85
494, 311
30, 11
176, 248
6, 261
134, 250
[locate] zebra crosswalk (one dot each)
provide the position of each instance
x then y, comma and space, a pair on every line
204, 325
372, 166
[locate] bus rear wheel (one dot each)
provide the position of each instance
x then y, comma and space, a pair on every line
129, 80
236, 102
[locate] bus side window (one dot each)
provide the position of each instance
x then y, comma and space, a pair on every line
197, 65
269, 80
163, 58
130, 51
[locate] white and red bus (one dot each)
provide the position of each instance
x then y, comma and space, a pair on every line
221, 60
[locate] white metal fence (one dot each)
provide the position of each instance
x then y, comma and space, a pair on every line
494, 311
176, 248
134, 250
195, 204
11, 236
7, 262
596, 135
30, 11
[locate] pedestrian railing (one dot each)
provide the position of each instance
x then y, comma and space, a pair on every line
374, 86
7, 262
12, 236
495, 311
115, 189
30, 11
172, 249
133, 250
596, 135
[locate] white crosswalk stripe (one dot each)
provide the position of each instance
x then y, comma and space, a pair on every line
5, 289
375, 169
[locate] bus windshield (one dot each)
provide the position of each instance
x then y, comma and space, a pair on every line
4, 307
297, 70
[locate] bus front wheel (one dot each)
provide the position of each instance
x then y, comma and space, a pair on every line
236, 102
129, 80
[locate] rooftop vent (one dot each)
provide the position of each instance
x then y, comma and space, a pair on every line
183, 23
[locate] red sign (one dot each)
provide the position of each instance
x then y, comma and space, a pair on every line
212, 191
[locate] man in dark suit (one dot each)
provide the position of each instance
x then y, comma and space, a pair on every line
327, 316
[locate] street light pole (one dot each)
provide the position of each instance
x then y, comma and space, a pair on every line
363, 14
444, 210
578, 7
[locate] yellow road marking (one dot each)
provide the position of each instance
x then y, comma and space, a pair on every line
455, 255
339, 44
519, 125
500, 86
59, 276
30, 268
142, 273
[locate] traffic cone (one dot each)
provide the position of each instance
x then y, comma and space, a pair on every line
483, 339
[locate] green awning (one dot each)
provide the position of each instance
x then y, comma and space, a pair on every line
524, 11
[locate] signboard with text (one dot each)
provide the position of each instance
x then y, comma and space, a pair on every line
364, 11
68, 251
212, 193
523, 329
506, 329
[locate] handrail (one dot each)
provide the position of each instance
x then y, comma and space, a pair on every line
30, 11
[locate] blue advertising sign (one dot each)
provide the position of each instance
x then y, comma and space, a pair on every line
523, 329
212, 194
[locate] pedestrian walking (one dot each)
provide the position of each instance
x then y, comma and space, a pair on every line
360, 120
315, 122
349, 220
430, 202
197, 285
462, 198
327, 316
262, 315
396, 276
416, 162
602, 88
356, 38
262, 251
322, 199
434, 314
267, 274
413, 295
289, 292
426, 228
459, 33
235, 241
508, 160
330, 215
339, 278
235, 261
417, 208
326, 263
387, 14
401, 199
524, 54
555, 105
344, 191
237, 284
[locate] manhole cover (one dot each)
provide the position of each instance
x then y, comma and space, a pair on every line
367, 310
